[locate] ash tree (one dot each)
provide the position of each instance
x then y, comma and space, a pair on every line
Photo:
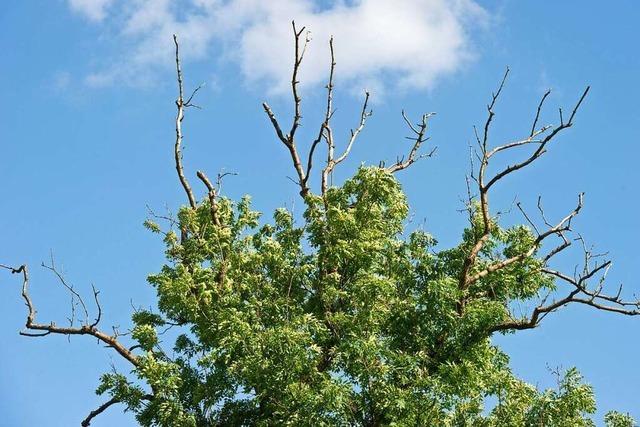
345, 317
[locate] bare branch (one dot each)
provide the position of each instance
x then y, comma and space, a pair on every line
98, 306
74, 295
51, 328
364, 114
188, 102
466, 278
299, 55
181, 105
220, 177
289, 139
579, 294
483, 193
276, 126
325, 125
211, 192
100, 409
531, 223
419, 138
333, 162
561, 226
529, 140
494, 98
541, 147
535, 120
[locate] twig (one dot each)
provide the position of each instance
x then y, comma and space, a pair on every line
419, 139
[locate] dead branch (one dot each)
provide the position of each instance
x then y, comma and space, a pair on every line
325, 127
211, 192
364, 114
294, 76
181, 105
558, 229
100, 409
333, 162
51, 328
540, 138
75, 296
541, 146
535, 120
289, 139
484, 204
419, 138
580, 294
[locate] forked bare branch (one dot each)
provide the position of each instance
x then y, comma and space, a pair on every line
289, 139
580, 293
332, 162
540, 137
418, 139
325, 131
563, 225
41, 329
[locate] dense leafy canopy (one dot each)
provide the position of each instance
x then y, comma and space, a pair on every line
342, 319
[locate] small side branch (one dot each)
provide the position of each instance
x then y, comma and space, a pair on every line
106, 405
364, 114
100, 409
332, 162
75, 296
418, 139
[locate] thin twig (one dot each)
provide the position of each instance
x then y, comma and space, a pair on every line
419, 138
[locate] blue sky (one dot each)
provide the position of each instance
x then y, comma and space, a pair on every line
87, 133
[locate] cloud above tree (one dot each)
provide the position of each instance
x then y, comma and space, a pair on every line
381, 44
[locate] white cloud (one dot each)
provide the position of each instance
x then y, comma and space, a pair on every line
94, 10
399, 43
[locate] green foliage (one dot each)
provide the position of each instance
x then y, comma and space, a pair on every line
341, 320
616, 419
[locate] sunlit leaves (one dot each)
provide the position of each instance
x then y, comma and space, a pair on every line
341, 319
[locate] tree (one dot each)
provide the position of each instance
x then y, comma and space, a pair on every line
342, 317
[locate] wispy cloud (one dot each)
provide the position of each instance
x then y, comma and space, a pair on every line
400, 43
94, 10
